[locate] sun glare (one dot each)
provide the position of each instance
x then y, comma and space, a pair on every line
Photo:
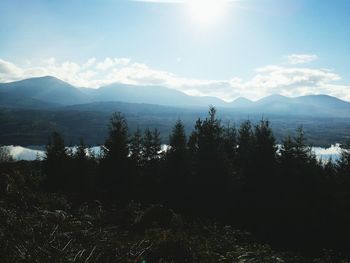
206, 12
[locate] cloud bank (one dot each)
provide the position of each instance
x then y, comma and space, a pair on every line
301, 58
274, 79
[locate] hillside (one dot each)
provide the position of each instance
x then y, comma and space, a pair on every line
90, 121
56, 231
44, 89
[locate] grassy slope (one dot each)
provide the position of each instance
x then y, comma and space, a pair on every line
39, 227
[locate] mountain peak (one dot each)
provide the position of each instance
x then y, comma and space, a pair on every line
273, 98
276, 96
46, 89
241, 102
48, 79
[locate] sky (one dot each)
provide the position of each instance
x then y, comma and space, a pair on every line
221, 48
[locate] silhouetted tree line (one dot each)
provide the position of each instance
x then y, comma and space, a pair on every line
238, 175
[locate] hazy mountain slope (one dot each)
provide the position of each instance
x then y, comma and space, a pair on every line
325, 101
152, 95
241, 102
46, 89
13, 100
125, 107
48, 92
312, 105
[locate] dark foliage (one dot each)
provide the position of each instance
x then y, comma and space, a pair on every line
283, 195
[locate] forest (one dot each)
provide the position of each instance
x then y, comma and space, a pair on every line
223, 193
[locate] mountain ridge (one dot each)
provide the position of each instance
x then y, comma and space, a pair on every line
50, 93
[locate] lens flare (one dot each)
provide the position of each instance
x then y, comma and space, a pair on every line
206, 12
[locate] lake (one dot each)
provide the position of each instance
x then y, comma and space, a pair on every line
37, 152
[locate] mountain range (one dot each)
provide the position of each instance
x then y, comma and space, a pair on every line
51, 93
31, 109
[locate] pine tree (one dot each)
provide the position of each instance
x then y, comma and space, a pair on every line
230, 143
151, 145
82, 170
177, 168
178, 141
211, 177
302, 151
193, 139
265, 147
287, 152
56, 163
116, 146
136, 149
151, 159
245, 151
81, 152
343, 164
295, 152
56, 149
115, 165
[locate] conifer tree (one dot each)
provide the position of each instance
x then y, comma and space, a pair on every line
193, 139
230, 143
343, 164
245, 149
211, 176
82, 170
116, 145
151, 145
287, 152
56, 163
115, 164
178, 141
80, 153
177, 168
265, 147
302, 151
136, 149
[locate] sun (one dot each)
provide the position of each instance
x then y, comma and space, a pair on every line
206, 12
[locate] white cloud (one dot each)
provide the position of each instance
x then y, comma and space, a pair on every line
9, 71
50, 61
89, 63
111, 62
301, 58
122, 61
277, 76
106, 64
273, 79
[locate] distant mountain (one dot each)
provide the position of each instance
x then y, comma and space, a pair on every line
323, 100
153, 95
47, 90
241, 102
311, 105
125, 107
51, 93
18, 101
275, 98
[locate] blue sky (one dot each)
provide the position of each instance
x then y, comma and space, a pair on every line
250, 48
